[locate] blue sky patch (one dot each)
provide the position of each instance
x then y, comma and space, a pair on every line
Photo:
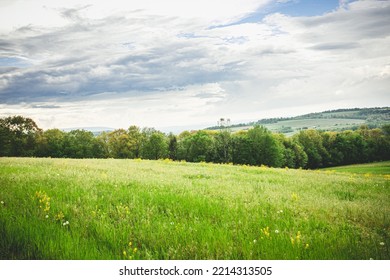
13, 62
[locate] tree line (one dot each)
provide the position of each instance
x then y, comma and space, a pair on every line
20, 136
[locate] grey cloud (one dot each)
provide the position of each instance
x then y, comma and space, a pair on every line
7, 69
45, 106
336, 46
370, 22
73, 13
88, 58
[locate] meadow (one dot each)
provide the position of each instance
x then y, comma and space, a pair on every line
367, 168
296, 125
138, 209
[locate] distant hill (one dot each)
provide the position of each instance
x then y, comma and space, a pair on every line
334, 120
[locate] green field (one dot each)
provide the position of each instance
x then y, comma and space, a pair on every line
320, 124
331, 124
367, 169
138, 209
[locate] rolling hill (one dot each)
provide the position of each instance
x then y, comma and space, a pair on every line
334, 120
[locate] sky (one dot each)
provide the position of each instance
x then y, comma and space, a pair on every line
176, 65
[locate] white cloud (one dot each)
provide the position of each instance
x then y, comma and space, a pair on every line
154, 64
21, 13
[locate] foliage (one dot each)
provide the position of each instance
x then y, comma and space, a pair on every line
82, 144
257, 146
155, 146
312, 143
18, 136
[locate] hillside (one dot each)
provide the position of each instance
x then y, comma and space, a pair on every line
367, 169
333, 120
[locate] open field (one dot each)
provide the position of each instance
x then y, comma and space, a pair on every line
138, 209
333, 120
297, 125
367, 168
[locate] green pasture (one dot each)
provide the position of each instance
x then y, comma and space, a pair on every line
139, 209
367, 169
296, 125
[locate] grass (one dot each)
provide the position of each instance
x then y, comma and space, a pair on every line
331, 124
137, 209
367, 168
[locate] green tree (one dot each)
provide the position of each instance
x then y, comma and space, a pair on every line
103, 141
311, 141
51, 143
377, 142
18, 136
265, 148
172, 146
119, 144
242, 149
81, 144
223, 146
156, 146
294, 155
196, 147
136, 138
329, 141
352, 147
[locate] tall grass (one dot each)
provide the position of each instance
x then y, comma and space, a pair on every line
137, 209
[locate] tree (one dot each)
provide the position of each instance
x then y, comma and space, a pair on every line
119, 144
223, 146
172, 146
156, 146
294, 155
196, 147
51, 143
136, 138
18, 136
311, 141
351, 146
377, 142
81, 144
329, 141
242, 149
266, 150
103, 141
201, 148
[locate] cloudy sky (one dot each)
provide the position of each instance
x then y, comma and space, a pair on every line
177, 63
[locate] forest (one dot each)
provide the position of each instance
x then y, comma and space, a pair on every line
309, 149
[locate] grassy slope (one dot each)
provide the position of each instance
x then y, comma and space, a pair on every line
329, 121
299, 124
370, 168
170, 210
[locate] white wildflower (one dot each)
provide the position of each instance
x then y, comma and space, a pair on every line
47, 216
382, 243
2, 202
276, 231
254, 241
